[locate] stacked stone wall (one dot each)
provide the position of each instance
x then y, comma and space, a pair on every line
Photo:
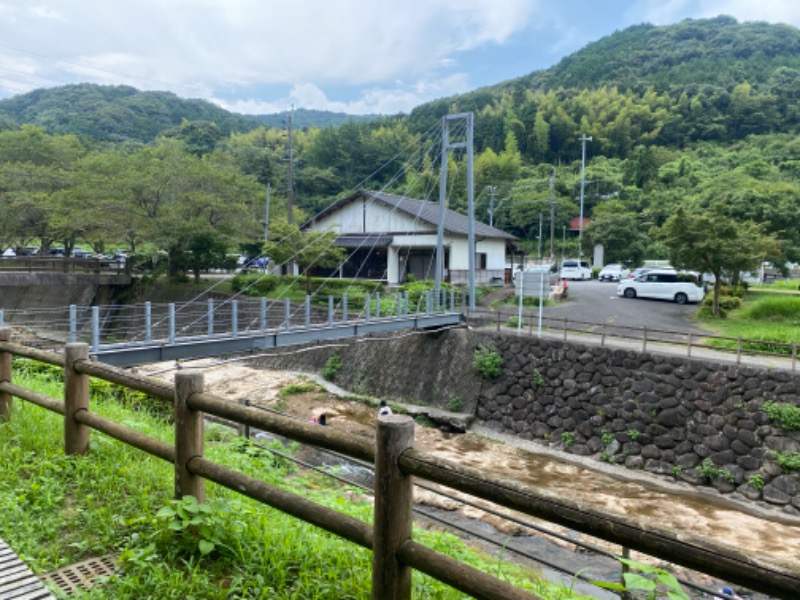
696, 421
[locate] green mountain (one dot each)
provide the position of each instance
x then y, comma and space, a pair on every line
113, 113
303, 118
705, 59
123, 113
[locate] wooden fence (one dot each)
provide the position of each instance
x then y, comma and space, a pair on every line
394, 552
563, 327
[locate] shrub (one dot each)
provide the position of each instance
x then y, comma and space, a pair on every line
514, 321
254, 284
332, 366
787, 415
789, 461
726, 303
487, 361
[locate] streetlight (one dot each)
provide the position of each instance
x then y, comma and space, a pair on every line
583, 139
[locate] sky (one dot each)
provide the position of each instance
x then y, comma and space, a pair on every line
353, 56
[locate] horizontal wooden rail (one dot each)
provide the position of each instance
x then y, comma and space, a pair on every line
326, 518
729, 564
324, 437
458, 575
51, 404
127, 436
50, 358
156, 389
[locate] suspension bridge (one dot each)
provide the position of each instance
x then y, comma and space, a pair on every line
128, 335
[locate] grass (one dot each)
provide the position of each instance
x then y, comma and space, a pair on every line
792, 285
56, 510
767, 322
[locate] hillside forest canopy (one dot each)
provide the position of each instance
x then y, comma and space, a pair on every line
701, 117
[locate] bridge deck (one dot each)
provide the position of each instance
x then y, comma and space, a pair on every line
17, 581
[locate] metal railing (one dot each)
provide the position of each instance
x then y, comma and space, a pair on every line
396, 461
43, 264
577, 330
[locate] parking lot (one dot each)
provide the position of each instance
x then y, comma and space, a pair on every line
597, 302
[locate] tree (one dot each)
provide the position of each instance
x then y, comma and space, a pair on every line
622, 235
710, 241
308, 249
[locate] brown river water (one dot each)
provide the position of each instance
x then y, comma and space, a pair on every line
638, 497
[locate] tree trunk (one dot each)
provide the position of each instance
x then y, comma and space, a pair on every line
717, 286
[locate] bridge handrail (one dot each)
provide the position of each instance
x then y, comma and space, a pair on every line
564, 325
389, 538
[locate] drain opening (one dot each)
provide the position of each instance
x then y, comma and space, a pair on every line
81, 576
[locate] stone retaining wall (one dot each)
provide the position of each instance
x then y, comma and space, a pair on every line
697, 421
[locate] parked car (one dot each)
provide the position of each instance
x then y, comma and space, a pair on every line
642, 270
575, 269
613, 272
663, 284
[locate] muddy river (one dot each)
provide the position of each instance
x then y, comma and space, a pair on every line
638, 497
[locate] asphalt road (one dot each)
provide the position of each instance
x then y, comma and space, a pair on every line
595, 303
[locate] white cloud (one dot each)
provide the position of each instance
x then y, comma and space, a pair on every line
661, 12
373, 100
155, 44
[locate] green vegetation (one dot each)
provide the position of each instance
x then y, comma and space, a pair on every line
607, 437
699, 116
332, 366
787, 415
766, 322
487, 361
56, 510
756, 482
708, 470
649, 583
634, 434
538, 378
568, 438
789, 461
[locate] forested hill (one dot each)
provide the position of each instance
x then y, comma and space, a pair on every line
699, 80
123, 113
716, 51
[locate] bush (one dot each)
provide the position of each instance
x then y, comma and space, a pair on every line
787, 415
332, 366
726, 303
487, 361
254, 284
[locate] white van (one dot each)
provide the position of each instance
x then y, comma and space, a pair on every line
575, 269
664, 284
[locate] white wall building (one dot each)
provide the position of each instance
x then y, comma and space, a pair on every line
390, 237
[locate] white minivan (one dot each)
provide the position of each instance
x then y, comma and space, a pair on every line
575, 269
664, 284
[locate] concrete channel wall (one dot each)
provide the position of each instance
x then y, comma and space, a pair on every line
696, 421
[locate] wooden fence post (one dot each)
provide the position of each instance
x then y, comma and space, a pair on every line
6, 400
76, 398
393, 505
188, 436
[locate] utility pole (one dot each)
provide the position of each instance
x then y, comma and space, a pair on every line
539, 245
492, 189
553, 216
583, 139
290, 172
266, 217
